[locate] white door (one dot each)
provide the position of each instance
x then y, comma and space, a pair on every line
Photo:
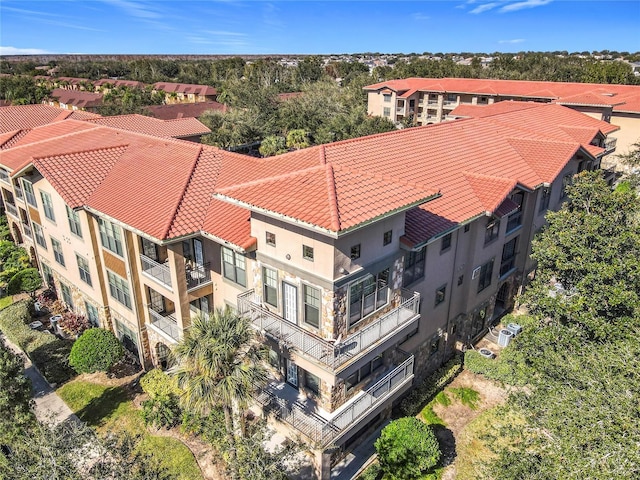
290, 304
292, 373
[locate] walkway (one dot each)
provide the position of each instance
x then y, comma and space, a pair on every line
361, 456
49, 407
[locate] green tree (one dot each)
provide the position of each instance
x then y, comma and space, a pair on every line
297, 139
15, 395
220, 364
272, 145
407, 449
27, 281
96, 350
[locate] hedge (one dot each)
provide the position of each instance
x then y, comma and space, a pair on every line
46, 351
96, 350
424, 392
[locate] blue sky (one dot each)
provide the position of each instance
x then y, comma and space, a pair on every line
270, 27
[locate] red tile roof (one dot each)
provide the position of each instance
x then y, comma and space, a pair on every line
182, 110
184, 127
185, 88
519, 88
77, 98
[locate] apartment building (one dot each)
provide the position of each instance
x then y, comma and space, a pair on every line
433, 100
75, 99
363, 264
185, 92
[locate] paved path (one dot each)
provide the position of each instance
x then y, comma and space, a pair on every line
361, 456
49, 407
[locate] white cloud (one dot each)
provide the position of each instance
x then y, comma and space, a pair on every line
224, 33
513, 7
420, 16
484, 7
22, 51
135, 9
514, 40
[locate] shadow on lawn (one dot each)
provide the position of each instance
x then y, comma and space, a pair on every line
447, 444
101, 408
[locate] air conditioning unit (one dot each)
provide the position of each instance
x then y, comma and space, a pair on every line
504, 337
514, 328
486, 353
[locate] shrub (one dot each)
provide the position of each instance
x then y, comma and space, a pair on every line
46, 351
407, 449
499, 369
47, 297
373, 472
95, 350
74, 324
27, 280
57, 307
420, 395
161, 411
158, 383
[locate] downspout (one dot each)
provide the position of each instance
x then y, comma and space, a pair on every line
453, 276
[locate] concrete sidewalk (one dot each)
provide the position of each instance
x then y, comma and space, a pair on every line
49, 407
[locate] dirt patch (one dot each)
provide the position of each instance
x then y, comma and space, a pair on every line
457, 416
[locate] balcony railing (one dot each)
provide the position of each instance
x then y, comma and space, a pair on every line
4, 176
166, 323
198, 275
158, 271
327, 352
432, 102
400, 110
27, 230
11, 209
31, 199
18, 191
610, 144
325, 430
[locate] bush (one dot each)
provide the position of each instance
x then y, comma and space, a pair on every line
157, 383
373, 472
27, 280
96, 350
161, 411
420, 395
46, 351
73, 324
407, 449
498, 369
47, 297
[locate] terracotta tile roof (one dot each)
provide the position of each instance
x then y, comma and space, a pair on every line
77, 98
182, 110
118, 83
519, 88
590, 98
497, 108
24, 117
185, 88
184, 127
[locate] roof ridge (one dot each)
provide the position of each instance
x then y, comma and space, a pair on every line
273, 178
333, 198
86, 150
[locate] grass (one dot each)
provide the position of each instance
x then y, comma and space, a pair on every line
429, 416
6, 301
467, 396
110, 409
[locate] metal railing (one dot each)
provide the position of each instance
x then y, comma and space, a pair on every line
323, 431
27, 230
167, 323
11, 209
18, 192
158, 271
197, 275
610, 144
327, 352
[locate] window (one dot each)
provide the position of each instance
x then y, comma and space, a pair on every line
29, 194
66, 295
127, 336
92, 314
355, 252
362, 373
412, 103
486, 271
452, 97
57, 251
544, 199
83, 269
110, 236
271, 239
566, 181
368, 295
270, 286
434, 346
387, 237
200, 306
48, 275
508, 256
37, 231
233, 266
119, 289
74, 222
466, 228
47, 204
441, 294
311, 305
312, 382
446, 242
413, 266
515, 219
386, 111
492, 231
307, 252
386, 97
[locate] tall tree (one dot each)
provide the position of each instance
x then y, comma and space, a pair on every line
220, 364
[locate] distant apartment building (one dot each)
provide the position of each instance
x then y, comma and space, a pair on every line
185, 92
434, 100
363, 264
75, 99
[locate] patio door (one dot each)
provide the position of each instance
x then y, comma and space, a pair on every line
292, 373
197, 252
290, 303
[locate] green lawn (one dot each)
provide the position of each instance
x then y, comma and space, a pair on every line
110, 409
6, 301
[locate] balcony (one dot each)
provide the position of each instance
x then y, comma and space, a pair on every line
157, 271
19, 194
400, 110
322, 427
610, 144
27, 230
326, 352
11, 209
197, 275
165, 324
432, 102
4, 176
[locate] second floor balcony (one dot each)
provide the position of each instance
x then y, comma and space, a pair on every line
11, 209
165, 324
160, 272
197, 275
610, 144
333, 354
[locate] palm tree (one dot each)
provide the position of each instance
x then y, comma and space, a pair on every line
220, 363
